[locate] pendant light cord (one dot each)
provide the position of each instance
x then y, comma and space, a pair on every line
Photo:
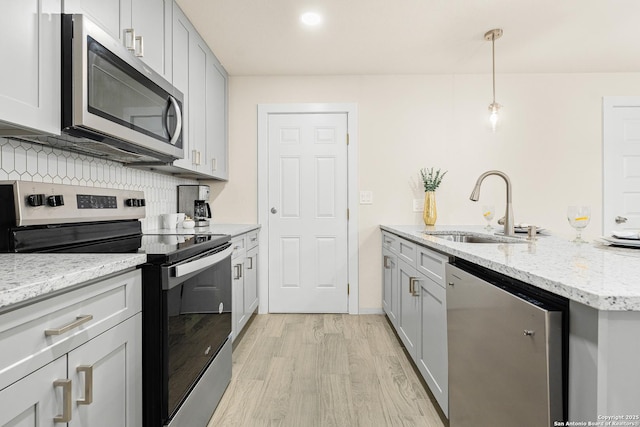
493, 59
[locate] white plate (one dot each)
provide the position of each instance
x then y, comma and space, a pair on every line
622, 242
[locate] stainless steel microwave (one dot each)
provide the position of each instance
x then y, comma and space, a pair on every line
113, 105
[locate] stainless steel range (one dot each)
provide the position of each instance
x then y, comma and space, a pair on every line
186, 311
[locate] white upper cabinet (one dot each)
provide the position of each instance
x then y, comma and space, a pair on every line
143, 25
30, 76
216, 82
198, 74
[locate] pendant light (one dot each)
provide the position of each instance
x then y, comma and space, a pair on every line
493, 35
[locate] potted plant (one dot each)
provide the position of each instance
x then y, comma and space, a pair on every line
431, 181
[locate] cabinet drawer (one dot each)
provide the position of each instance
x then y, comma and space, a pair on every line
239, 245
407, 251
39, 333
390, 241
252, 239
432, 264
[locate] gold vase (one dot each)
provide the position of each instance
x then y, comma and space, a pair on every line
429, 214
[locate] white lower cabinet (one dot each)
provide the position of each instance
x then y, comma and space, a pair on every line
390, 285
106, 374
432, 351
35, 400
75, 359
414, 299
409, 320
244, 263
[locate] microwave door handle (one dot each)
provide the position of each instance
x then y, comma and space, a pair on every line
202, 263
176, 106
209, 210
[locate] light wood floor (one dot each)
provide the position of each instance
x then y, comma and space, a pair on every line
305, 370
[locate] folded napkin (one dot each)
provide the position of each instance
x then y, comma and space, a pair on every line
625, 234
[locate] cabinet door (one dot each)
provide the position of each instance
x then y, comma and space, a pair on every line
432, 352
251, 282
409, 307
238, 316
198, 52
216, 119
390, 285
35, 401
30, 76
106, 373
151, 19
112, 15
182, 30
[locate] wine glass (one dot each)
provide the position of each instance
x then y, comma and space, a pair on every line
579, 217
488, 212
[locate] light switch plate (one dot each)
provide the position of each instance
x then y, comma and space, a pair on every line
418, 205
366, 197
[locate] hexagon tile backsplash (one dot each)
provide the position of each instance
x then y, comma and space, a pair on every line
24, 161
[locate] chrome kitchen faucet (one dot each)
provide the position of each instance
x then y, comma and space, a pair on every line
508, 216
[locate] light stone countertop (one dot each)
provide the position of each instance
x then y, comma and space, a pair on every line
27, 276
231, 229
597, 275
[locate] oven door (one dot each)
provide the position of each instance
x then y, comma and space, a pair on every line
198, 320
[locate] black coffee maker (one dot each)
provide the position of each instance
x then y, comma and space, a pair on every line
193, 200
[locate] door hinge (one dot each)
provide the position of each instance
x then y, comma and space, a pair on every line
347, 139
347, 214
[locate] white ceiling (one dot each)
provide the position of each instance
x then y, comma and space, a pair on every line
265, 37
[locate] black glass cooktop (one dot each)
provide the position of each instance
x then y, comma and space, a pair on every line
169, 248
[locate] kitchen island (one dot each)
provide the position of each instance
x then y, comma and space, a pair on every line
602, 284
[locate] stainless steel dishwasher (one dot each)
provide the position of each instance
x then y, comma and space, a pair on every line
507, 350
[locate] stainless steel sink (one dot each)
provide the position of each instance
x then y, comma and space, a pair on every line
473, 238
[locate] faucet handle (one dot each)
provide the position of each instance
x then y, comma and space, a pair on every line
501, 221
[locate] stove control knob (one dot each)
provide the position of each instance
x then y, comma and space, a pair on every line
135, 202
35, 200
56, 200
142, 202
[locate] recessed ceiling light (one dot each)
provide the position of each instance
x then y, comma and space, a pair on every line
311, 19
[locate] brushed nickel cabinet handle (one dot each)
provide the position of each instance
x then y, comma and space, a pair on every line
386, 262
238, 268
139, 46
88, 384
130, 39
66, 401
80, 320
250, 263
412, 286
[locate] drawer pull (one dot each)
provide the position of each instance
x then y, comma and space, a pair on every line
66, 401
80, 320
250, 263
386, 262
88, 384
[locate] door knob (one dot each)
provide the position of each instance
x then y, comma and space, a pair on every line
274, 210
620, 220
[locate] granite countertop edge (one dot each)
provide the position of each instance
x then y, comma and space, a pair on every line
24, 277
595, 275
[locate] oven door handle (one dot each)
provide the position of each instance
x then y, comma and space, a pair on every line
202, 263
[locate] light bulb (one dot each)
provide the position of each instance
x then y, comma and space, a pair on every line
493, 116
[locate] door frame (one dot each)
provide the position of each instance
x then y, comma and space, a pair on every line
351, 110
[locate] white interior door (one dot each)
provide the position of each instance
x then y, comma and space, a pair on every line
621, 164
308, 256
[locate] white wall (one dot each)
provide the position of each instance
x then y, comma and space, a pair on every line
549, 144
